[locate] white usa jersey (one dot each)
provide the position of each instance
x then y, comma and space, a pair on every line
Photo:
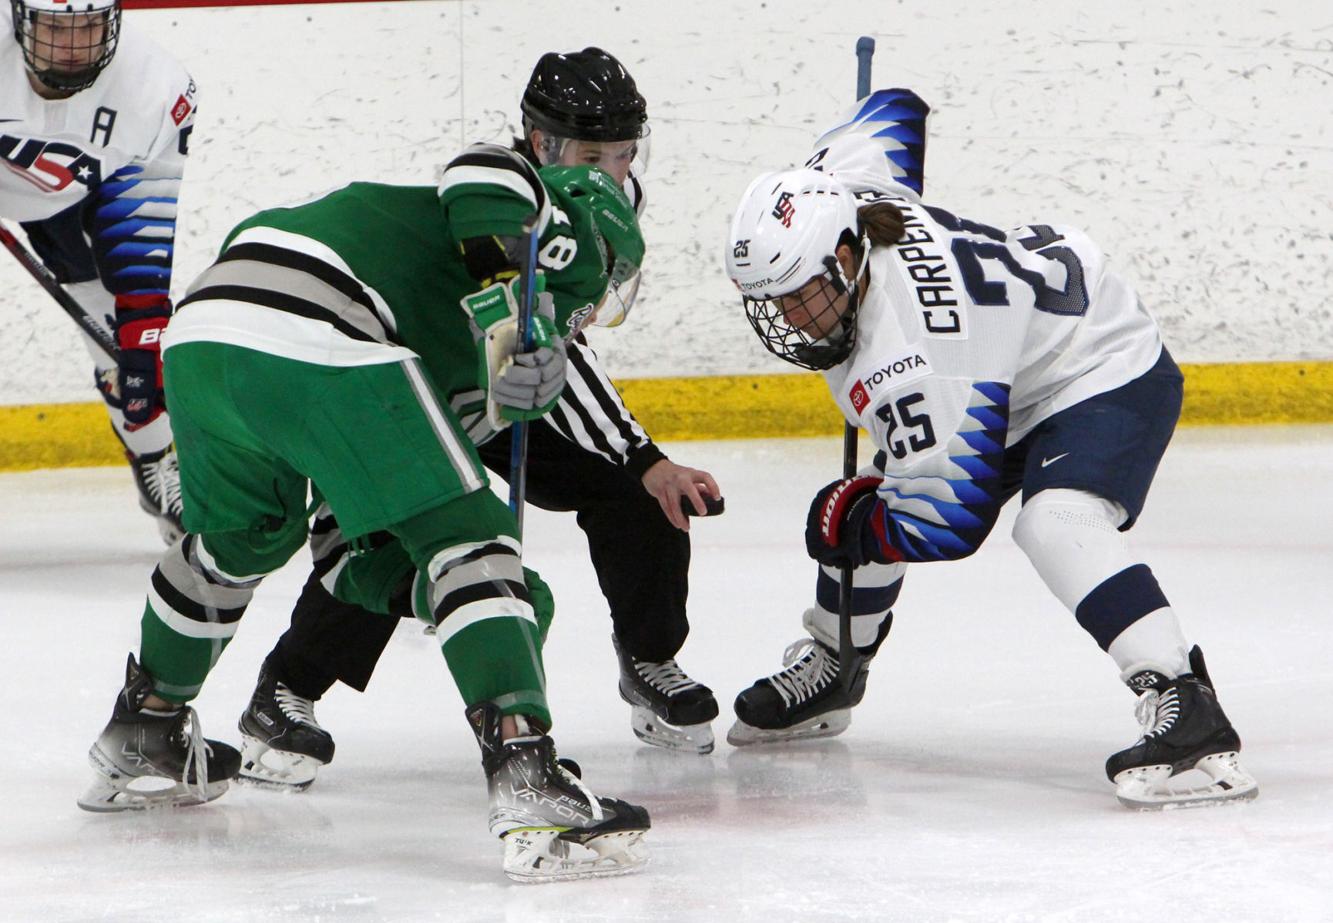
967, 338
119, 145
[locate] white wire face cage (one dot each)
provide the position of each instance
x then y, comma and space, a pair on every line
784, 239
821, 338
66, 45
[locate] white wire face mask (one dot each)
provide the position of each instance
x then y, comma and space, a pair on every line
66, 49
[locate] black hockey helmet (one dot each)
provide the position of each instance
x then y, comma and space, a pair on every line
67, 43
587, 95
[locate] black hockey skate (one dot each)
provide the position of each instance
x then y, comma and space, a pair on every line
807, 699
668, 708
159, 483
552, 826
282, 745
1184, 729
141, 744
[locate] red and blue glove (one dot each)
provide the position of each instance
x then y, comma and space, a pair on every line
139, 322
845, 526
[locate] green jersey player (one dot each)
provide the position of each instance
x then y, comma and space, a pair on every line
334, 347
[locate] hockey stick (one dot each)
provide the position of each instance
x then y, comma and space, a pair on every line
865, 50
63, 298
518, 434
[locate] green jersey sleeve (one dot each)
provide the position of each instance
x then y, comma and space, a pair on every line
489, 191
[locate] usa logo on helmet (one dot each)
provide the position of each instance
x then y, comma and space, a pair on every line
784, 209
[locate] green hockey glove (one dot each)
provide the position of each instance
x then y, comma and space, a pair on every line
520, 385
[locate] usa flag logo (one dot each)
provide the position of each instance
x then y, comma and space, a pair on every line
784, 209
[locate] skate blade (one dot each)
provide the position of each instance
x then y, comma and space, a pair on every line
541, 856
829, 724
1147, 788
686, 738
108, 796
263, 766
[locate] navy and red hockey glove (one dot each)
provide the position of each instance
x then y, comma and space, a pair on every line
845, 525
140, 320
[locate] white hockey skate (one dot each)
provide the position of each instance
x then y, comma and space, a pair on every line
146, 759
553, 828
1185, 734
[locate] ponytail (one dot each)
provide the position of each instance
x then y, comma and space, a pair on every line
881, 222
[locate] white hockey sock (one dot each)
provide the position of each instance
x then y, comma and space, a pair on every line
875, 590
1154, 642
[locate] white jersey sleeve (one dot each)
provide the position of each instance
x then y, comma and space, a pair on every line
967, 338
878, 145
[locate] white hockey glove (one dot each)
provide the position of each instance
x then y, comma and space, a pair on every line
519, 385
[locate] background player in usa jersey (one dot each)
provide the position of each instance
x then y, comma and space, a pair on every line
982, 363
589, 455
95, 122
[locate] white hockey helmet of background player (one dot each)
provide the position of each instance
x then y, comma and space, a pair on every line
785, 235
67, 43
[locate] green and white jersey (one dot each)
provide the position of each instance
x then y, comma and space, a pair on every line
374, 273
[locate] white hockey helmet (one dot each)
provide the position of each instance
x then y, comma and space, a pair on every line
786, 232
67, 43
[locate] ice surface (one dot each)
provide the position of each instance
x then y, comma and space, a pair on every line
969, 786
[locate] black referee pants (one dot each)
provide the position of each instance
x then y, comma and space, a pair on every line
641, 560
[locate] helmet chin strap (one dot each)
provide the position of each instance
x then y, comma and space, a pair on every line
837, 346
849, 287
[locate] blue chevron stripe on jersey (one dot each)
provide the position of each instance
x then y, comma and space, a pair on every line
941, 517
133, 229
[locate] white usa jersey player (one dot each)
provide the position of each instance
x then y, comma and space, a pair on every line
92, 170
133, 124
1034, 309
